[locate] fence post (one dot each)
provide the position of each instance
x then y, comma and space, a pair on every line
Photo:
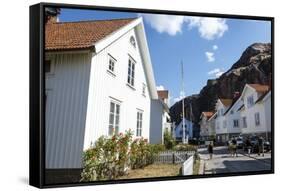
173, 158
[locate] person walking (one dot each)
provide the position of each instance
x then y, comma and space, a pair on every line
211, 149
234, 147
260, 146
248, 145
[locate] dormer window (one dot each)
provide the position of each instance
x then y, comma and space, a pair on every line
133, 41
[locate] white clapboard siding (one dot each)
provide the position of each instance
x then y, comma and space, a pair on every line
67, 93
105, 87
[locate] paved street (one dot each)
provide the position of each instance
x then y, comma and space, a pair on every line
222, 162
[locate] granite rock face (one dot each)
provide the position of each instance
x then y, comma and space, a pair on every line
254, 66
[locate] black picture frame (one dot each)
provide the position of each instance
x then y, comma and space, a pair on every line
37, 87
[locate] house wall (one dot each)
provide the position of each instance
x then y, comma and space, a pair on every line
249, 112
105, 87
221, 131
230, 117
156, 122
204, 126
267, 109
66, 106
189, 130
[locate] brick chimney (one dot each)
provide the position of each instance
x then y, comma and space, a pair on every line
51, 15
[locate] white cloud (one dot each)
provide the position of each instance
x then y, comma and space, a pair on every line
165, 23
210, 56
209, 28
215, 47
160, 87
217, 72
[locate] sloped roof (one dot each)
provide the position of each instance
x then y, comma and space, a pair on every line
240, 108
163, 94
262, 96
260, 88
81, 34
226, 102
208, 114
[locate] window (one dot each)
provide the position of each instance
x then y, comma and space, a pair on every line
139, 123
235, 123
111, 63
244, 119
250, 101
143, 89
131, 72
114, 116
257, 119
133, 41
231, 112
224, 124
47, 66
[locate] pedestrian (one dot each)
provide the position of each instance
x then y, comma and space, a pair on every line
210, 149
260, 146
234, 147
248, 145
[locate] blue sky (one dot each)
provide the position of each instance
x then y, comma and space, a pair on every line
206, 46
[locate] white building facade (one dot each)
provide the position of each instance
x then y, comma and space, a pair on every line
256, 110
106, 89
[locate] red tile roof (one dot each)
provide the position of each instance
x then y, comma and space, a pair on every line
260, 88
80, 35
163, 94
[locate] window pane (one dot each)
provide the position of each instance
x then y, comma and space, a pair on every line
111, 119
132, 82
47, 66
117, 109
112, 107
117, 120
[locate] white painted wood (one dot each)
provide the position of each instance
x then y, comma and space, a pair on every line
104, 87
189, 130
66, 106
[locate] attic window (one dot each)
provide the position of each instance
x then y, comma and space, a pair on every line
47, 66
133, 41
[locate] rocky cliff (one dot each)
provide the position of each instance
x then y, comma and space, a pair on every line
254, 66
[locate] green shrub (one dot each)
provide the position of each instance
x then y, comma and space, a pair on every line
169, 140
111, 157
185, 147
107, 159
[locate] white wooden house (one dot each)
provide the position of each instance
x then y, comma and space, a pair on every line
222, 106
212, 126
160, 113
205, 125
233, 118
256, 110
99, 81
178, 131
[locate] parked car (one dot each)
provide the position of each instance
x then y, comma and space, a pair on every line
240, 142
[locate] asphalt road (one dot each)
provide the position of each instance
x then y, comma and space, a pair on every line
222, 162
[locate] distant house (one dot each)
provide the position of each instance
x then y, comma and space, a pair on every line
178, 130
232, 117
205, 125
160, 118
222, 106
256, 110
212, 126
99, 81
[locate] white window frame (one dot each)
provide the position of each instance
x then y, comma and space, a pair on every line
131, 75
51, 72
110, 60
114, 125
257, 119
139, 123
244, 122
250, 101
235, 123
133, 41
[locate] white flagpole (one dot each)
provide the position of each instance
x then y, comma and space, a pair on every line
182, 92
